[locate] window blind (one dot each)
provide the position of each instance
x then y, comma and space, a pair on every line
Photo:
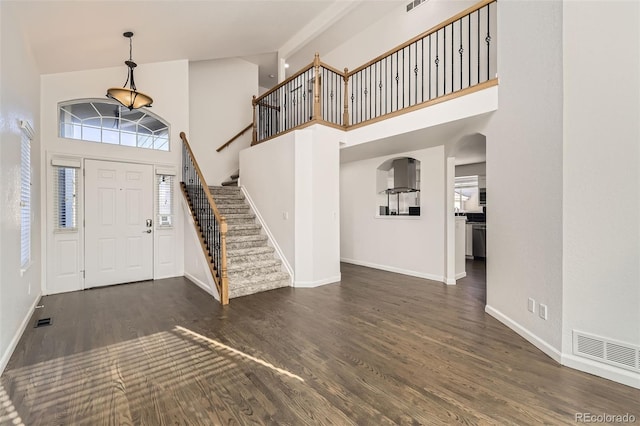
164, 197
65, 198
25, 200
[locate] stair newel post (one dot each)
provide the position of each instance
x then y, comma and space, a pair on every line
345, 114
317, 114
254, 133
224, 280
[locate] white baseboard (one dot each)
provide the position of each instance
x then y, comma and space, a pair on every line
536, 341
461, 275
606, 371
267, 231
396, 270
18, 334
311, 284
450, 282
202, 285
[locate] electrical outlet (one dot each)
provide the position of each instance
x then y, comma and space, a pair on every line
531, 305
285, 215
542, 311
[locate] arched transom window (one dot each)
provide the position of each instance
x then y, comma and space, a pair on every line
111, 123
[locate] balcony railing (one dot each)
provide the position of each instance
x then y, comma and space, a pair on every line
448, 60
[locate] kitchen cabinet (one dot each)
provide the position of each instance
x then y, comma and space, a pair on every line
469, 241
482, 182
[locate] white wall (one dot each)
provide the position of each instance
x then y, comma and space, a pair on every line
601, 254
395, 28
220, 93
524, 172
19, 97
268, 175
317, 202
479, 169
170, 102
195, 262
410, 245
293, 182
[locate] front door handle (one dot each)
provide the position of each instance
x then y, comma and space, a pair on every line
148, 231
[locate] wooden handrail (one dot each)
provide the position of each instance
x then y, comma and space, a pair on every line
230, 141
424, 34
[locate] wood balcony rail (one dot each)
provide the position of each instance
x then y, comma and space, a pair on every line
211, 226
451, 59
236, 136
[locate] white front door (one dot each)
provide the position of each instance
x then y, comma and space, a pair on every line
118, 223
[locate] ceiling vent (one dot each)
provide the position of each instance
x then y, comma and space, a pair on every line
619, 354
415, 3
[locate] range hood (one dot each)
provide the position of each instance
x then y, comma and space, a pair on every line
404, 176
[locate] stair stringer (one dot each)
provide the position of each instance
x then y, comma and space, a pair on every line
272, 241
204, 280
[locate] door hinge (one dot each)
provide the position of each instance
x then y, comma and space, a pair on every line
83, 172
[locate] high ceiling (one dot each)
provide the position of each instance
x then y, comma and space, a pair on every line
71, 35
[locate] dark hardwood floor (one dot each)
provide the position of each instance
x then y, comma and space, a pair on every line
376, 349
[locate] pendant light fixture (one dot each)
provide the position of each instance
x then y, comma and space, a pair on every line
130, 97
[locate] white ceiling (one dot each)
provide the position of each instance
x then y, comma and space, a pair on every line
72, 35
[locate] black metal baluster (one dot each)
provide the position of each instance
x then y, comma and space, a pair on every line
375, 92
469, 48
415, 74
397, 82
437, 62
422, 70
461, 51
391, 86
444, 62
488, 39
452, 59
403, 78
478, 13
429, 66
409, 74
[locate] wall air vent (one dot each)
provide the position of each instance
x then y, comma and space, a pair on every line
415, 3
619, 354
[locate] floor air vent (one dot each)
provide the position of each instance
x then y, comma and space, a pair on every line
610, 352
43, 322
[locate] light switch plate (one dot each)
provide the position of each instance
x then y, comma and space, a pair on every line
531, 305
543, 311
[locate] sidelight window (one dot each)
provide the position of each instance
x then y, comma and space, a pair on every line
164, 197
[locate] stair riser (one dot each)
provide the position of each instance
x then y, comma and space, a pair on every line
253, 272
231, 220
245, 244
242, 232
233, 210
221, 200
244, 291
